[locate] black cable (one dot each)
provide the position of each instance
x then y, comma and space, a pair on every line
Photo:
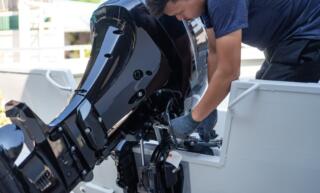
169, 123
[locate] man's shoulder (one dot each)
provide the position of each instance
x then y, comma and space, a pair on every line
217, 4
226, 16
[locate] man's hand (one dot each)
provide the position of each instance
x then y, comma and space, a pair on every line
205, 128
183, 126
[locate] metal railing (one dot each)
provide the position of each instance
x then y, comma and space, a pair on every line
45, 55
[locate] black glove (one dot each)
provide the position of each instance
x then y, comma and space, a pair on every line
183, 126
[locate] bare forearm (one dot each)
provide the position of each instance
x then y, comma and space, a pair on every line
223, 67
212, 65
218, 89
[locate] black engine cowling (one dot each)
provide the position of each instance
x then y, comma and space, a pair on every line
11, 143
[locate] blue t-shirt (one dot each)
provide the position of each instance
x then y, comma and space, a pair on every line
264, 23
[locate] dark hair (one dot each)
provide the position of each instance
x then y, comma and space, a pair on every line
156, 7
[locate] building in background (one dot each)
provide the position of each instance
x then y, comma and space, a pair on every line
45, 31
9, 26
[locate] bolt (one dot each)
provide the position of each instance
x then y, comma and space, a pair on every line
138, 74
84, 172
60, 129
65, 162
140, 93
87, 130
47, 174
100, 119
73, 148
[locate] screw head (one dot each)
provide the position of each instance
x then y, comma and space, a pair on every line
138, 74
84, 172
87, 130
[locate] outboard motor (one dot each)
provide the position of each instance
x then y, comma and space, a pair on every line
11, 143
141, 73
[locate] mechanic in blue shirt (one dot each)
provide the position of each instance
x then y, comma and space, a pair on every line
288, 31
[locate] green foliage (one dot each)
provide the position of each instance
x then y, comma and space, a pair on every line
87, 53
3, 119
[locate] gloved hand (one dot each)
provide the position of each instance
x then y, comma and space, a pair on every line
183, 126
205, 128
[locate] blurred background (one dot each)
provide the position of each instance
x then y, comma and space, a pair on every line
47, 32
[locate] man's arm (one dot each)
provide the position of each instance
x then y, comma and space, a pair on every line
212, 56
224, 67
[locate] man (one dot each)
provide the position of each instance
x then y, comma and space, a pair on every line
288, 31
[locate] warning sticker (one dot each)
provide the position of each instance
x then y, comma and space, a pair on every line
174, 158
